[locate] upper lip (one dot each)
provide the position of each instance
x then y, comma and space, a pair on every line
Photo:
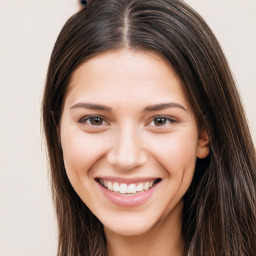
127, 180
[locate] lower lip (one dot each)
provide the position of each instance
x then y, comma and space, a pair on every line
129, 201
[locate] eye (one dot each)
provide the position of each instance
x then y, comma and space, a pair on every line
94, 121
162, 121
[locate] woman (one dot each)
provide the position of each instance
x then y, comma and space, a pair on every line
148, 145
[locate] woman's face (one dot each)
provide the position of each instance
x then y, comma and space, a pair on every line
130, 140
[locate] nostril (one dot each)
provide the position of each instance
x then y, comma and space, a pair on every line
125, 160
126, 150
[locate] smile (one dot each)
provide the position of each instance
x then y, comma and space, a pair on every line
127, 189
128, 193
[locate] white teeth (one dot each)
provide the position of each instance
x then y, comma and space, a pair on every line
140, 187
132, 189
105, 183
124, 188
109, 186
146, 186
116, 187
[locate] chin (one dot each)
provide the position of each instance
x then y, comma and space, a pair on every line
129, 226
128, 230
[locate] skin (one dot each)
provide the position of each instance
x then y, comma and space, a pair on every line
128, 143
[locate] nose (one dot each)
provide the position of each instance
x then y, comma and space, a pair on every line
127, 151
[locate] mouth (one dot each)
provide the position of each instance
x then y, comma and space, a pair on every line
127, 189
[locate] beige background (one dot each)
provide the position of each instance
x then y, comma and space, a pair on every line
28, 30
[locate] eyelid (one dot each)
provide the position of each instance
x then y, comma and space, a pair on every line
86, 118
168, 118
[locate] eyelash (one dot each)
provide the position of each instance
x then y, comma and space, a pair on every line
167, 119
88, 120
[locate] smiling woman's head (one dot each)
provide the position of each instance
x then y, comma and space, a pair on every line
143, 85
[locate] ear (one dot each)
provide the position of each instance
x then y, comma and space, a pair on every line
203, 148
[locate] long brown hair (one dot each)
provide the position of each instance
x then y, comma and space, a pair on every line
219, 216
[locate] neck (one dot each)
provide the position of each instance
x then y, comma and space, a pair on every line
164, 238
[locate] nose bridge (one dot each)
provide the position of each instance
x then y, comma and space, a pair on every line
127, 151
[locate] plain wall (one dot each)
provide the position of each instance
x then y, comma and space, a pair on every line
28, 30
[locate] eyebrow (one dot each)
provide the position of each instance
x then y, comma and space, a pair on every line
147, 109
92, 106
164, 106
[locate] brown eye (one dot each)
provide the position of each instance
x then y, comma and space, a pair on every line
160, 121
95, 120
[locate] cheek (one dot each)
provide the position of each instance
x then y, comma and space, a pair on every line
80, 152
177, 154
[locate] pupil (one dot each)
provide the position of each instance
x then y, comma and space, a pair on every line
96, 121
160, 121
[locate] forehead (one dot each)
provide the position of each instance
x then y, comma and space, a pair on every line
126, 75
